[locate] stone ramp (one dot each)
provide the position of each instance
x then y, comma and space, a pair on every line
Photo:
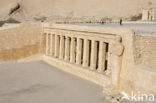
38, 82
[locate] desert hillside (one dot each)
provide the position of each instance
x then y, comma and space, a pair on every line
23, 10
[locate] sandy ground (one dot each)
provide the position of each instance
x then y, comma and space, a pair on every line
38, 82
68, 9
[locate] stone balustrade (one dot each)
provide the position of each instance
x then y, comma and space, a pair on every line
148, 15
90, 50
103, 55
95, 53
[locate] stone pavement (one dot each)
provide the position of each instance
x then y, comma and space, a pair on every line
139, 28
38, 82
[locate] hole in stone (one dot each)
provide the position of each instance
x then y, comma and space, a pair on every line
97, 54
69, 47
89, 52
106, 61
82, 51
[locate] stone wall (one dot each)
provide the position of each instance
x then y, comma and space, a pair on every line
132, 77
149, 15
145, 50
138, 60
139, 75
19, 41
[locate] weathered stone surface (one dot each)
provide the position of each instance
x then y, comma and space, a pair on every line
26, 41
20, 41
148, 14
145, 50
77, 10
37, 82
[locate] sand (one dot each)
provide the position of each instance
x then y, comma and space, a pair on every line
34, 10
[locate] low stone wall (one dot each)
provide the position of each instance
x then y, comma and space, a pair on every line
132, 76
145, 50
140, 75
102, 35
137, 71
19, 41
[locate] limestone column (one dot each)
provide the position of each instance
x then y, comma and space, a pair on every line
150, 15
153, 15
102, 57
79, 51
93, 54
56, 46
86, 53
67, 48
72, 50
53, 45
47, 43
61, 56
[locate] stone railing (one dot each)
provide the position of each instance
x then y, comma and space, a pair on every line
84, 47
148, 15
103, 55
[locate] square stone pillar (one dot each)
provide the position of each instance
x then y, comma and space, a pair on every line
93, 54
102, 56
50, 47
52, 44
79, 51
153, 14
110, 60
62, 46
73, 50
145, 15
67, 48
150, 15
56, 46
86, 53
47, 43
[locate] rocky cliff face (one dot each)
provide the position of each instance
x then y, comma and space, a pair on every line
68, 9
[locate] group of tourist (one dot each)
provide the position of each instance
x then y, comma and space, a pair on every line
102, 21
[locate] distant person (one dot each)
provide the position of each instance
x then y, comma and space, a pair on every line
120, 21
101, 21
